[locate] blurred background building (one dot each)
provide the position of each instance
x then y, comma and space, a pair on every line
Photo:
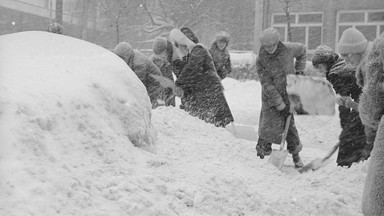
315, 22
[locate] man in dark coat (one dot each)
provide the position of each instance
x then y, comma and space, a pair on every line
143, 68
274, 62
352, 140
220, 54
162, 57
203, 92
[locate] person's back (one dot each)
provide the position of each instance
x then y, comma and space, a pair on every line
142, 66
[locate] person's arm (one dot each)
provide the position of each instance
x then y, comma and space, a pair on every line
269, 89
300, 54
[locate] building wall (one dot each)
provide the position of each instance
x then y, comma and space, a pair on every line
331, 11
36, 15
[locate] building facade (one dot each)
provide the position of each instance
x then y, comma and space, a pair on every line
80, 20
316, 22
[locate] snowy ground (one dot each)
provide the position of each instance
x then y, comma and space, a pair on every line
67, 157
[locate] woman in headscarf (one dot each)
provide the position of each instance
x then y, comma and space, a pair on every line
202, 90
352, 140
220, 54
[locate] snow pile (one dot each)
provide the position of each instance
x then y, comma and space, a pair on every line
65, 150
243, 59
66, 107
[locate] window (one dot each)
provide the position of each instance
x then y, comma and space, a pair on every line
370, 23
306, 28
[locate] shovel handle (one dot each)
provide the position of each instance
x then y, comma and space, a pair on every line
287, 123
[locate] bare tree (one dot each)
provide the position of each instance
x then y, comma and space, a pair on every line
287, 4
59, 12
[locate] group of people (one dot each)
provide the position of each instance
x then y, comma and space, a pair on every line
198, 73
356, 72
345, 70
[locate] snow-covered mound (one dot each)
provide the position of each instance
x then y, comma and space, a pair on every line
65, 105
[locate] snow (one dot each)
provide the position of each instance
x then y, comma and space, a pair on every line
65, 146
242, 59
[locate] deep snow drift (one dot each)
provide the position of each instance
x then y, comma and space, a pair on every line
65, 147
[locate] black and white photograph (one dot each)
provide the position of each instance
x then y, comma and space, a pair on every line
192, 107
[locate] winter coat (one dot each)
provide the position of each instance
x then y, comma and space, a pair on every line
372, 99
272, 70
371, 108
352, 137
221, 59
143, 67
203, 92
164, 63
373, 194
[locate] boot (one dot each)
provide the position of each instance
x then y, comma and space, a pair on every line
297, 161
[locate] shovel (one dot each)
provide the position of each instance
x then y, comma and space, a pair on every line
277, 157
319, 162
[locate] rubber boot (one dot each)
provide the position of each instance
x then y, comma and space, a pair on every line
297, 161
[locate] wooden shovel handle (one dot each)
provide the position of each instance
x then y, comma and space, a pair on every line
287, 123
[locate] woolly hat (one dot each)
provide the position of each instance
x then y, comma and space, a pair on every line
324, 55
269, 36
189, 33
222, 36
123, 49
352, 41
159, 45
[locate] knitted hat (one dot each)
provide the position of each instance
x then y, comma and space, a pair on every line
222, 36
124, 50
324, 55
189, 33
269, 36
159, 45
352, 41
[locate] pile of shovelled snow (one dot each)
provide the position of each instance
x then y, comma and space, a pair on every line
243, 59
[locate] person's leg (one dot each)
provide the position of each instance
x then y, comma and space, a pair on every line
263, 148
294, 144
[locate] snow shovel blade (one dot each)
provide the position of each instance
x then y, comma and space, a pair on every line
314, 165
278, 157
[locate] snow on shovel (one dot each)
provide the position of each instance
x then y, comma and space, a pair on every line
277, 157
164, 81
319, 162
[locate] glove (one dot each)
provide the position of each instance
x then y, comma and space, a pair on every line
284, 110
178, 91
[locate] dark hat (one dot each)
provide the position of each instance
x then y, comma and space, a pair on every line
159, 45
124, 50
189, 33
324, 55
